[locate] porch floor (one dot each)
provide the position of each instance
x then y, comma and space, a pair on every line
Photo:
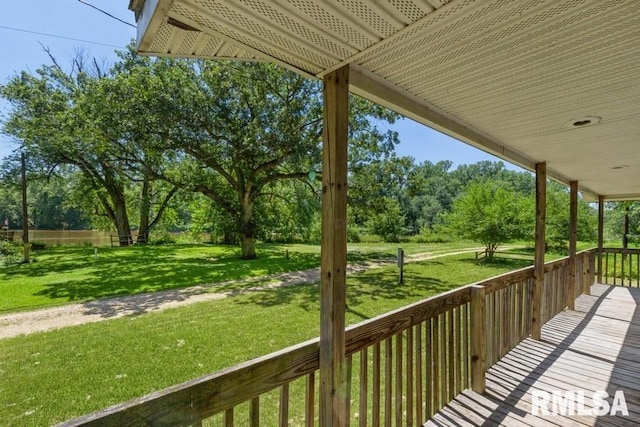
595, 347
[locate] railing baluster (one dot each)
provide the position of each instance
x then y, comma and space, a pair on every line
375, 410
284, 406
309, 400
615, 266
410, 376
419, 377
488, 327
466, 359
458, 343
398, 404
478, 339
387, 382
348, 395
638, 269
364, 386
451, 380
444, 364
228, 418
516, 314
436, 383
506, 327
254, 412
429, 369
498, 329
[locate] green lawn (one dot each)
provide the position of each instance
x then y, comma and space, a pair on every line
72, 274
50, 377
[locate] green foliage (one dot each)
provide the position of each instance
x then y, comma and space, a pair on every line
234, 133
492, 215
387, 221
426, 235
353, 235
229, 149
558, 220
162, 239
10, 253
614, 220
287, 212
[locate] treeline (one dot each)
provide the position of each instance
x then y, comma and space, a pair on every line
234, 149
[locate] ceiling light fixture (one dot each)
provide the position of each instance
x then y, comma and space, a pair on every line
583, 122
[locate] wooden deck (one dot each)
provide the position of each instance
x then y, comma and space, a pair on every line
596, 347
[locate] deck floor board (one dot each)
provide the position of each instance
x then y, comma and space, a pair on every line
596, 347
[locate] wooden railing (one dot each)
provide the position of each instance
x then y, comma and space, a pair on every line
402, 367
621, 266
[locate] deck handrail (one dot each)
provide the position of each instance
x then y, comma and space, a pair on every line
623, 268
431, 337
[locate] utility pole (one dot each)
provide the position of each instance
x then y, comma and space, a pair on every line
25, 215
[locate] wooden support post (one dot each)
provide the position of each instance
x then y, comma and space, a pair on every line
573, 235
334, 249
478, 340
538, 269
600, 237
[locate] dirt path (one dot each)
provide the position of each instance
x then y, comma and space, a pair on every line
28, 322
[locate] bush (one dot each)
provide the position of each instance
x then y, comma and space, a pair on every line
391, 238
370, 238
428, 236
162, 239
10, 253
353, 235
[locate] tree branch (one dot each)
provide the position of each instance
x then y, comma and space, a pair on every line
163, 206
279, 176
272, 163
213, 165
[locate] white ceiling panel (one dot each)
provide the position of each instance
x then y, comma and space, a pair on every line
508, 76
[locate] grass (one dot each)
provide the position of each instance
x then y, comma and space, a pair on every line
63, 275
50, 377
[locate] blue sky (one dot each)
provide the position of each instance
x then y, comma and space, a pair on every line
80, 27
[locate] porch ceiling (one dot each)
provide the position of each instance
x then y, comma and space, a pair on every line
508, 76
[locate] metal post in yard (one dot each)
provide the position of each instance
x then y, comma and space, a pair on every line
401, 265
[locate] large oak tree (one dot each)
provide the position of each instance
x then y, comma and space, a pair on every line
230, 130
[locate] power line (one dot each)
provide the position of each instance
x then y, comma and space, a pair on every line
107, 13
56, 36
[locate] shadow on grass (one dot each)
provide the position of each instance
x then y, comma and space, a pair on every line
136, 304
380, 284
74, 274
124, 271
510, 263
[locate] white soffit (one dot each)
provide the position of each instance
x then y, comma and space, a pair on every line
508, 76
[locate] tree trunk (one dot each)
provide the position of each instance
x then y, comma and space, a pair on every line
145, 209
248, 228
122, 222
116, 204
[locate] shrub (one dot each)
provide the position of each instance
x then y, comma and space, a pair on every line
162, 239
370, 238
353, 235
10, 253
426, 235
